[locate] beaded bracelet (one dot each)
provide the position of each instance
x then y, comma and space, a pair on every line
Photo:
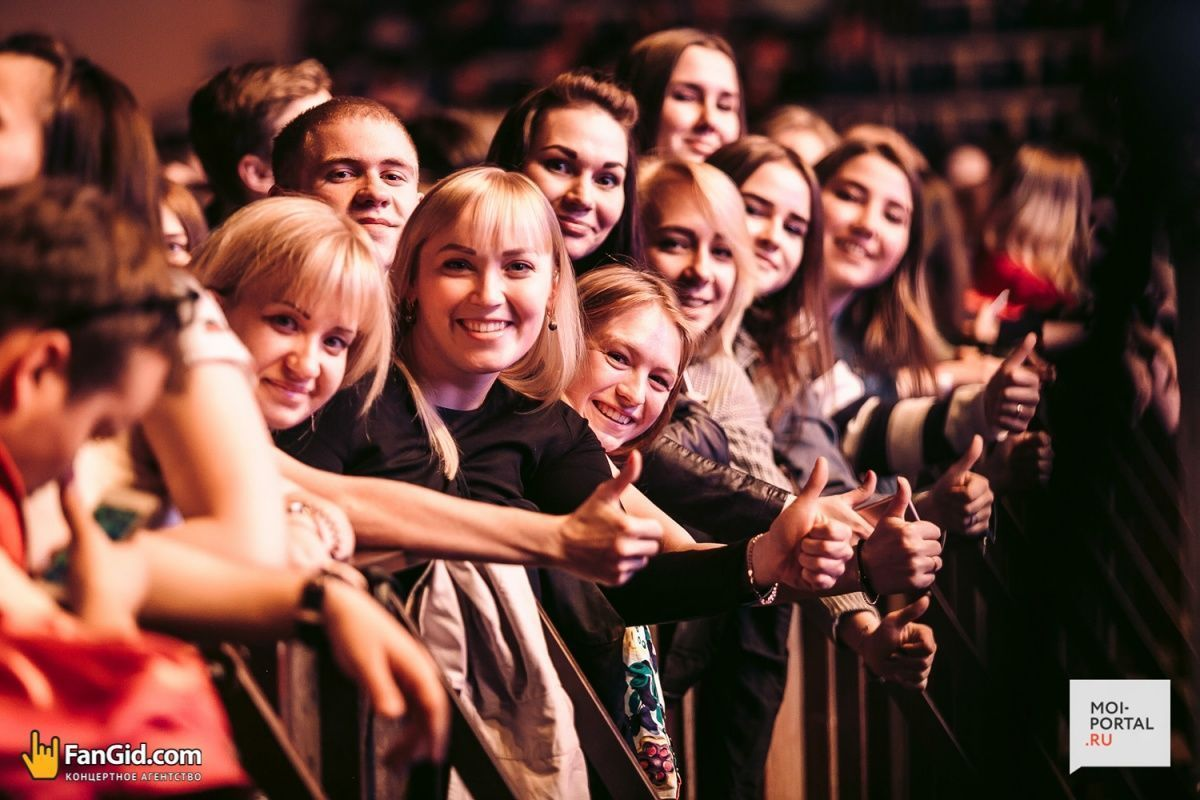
767, 597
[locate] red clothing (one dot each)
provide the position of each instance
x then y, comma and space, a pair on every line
999, 271
12, 522
74, 689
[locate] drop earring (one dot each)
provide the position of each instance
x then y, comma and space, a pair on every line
409, 312
552, 325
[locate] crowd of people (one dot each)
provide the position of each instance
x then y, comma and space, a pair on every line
633, 364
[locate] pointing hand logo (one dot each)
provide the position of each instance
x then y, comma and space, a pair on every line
42, 759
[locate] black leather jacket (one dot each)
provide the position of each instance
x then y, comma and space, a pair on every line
693, 427
727, 504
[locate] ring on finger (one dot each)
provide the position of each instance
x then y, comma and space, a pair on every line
1020, 409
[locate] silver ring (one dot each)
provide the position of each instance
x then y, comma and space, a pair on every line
971, 520
1020, 408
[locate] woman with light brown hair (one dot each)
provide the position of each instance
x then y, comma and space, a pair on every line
688, 91
1037, 243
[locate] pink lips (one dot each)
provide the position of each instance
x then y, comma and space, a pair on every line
574, 227
291, 391
375, 221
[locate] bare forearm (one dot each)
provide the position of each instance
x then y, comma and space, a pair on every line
195, 592
217, 459
394, 514
226, 539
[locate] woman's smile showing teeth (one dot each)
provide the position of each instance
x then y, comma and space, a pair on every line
612, 414
852, 248
484, 326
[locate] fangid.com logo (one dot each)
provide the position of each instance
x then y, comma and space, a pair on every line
47, 761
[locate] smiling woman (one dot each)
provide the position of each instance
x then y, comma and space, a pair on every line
300, 287
573, 139
689, 92
638, 346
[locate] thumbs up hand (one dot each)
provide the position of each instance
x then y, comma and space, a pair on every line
961, 500
1011, 396
602, 542
804, 549
900, 650
901, 556
841, 507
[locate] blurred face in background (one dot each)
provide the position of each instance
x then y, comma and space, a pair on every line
25, 86
702, 106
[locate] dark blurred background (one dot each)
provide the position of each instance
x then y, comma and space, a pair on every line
943, 71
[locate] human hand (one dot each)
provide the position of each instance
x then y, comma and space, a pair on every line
901, 556
841, 507
900, 650
1020, 463
986, 327
106, 580
396, 672
805, 549
318, 530
1011, 396
599, 541
961, 500
1165, 376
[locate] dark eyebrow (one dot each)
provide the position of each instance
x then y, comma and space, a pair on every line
697, 87
757, 199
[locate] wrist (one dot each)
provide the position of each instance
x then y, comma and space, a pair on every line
864, 578
318, 595
763, 560
854, 627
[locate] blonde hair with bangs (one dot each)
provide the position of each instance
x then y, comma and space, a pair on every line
721, 203
505, 208
303, 252
1041, 216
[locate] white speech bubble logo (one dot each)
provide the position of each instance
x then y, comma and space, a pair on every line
1120, 723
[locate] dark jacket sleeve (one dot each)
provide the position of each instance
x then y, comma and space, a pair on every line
685, 584
726, 503
694, 428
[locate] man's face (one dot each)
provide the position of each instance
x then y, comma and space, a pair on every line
50, 427
367, 168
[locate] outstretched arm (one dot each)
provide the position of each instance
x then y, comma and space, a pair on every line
598, 541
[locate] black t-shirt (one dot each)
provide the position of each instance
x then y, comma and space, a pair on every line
388, 442
513, 452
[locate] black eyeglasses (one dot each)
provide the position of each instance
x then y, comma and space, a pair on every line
177, 310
